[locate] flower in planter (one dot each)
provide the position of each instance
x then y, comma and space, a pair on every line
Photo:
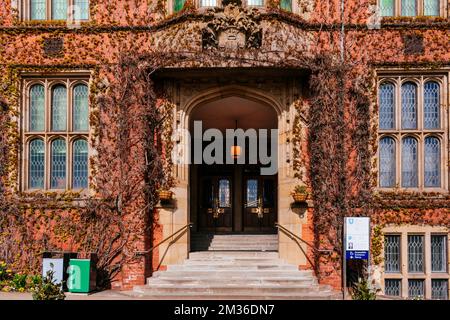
300, 193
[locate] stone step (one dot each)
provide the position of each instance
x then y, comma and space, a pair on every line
235, 247
237, 262
232, 255
238, 289
252, 296
223, 267
232, 273
251, 261
281, 281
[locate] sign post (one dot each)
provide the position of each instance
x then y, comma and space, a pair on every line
356, 242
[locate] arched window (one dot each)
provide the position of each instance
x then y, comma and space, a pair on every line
80, 164
286, 5
37, 108
80, 108
409, 162
38, 9
431, 7
431, 104
409, 105
387, 106
387, 162
409, 8
432, 162
36, 164
59, 108
59, 9
58, 164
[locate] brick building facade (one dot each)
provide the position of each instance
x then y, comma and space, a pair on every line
383, 150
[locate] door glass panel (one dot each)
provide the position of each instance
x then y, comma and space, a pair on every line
268, 194
252, 193
207, 194
224, 193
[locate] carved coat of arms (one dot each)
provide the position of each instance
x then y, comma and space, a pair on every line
232, 27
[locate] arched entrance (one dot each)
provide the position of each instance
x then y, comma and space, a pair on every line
231, 193
258, 99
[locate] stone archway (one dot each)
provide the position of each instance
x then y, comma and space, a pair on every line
280, 96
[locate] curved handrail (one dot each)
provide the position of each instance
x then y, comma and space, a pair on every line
292, 235
190, 224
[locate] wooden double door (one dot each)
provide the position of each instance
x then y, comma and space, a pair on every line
236, 199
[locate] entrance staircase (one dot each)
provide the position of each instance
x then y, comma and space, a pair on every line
234, 267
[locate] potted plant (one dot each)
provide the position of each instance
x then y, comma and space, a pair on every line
165, 195
300, 193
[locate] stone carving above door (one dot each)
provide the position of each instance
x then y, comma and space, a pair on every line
232, 27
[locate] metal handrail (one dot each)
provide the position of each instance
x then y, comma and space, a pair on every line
190, 224
292, 235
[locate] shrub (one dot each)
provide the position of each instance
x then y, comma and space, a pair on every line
46, 289
19, 282
362, 291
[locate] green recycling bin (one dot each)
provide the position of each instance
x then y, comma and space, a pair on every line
82, 275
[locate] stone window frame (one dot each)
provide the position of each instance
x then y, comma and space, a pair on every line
170, 5
443, 9
427, 275
48, 136
23, 7
419, 78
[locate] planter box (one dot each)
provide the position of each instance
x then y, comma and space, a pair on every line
300, 197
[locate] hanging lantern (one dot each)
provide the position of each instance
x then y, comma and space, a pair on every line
235, 152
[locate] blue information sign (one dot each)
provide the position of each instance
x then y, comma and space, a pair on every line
357, 255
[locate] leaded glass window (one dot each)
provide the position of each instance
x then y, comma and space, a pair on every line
392, 253
59, 9
80, 108
431, 105
387, 162
80, 164
178, 5
66, 164
387, 106
409, 105
286, 5
256, 3
432, 162
58, 164
409, 162
431, 7
252, 193
36, 164
208, 3
418, 97
415, 253
81, 9
59, 108
387, 8
416, 289
38, 9
439, 289
393, 287
438, 253
224, 193
37, 108
409, 8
